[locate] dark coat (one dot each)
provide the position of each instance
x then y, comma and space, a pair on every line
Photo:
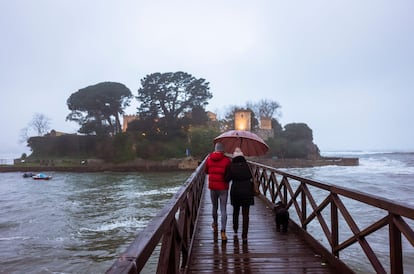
241, 192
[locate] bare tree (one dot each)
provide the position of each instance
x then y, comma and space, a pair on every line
266, 108
24, 135
40, 124
269, 108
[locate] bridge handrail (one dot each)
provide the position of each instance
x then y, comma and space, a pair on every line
172, 229
301, 199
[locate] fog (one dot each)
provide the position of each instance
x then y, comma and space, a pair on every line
343, 68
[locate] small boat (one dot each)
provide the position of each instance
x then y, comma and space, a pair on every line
28, 175
41, 176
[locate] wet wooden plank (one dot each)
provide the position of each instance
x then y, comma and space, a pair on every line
267, 250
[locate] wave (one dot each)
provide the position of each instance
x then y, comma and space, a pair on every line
386, 165
386, 169
155, 192
116, 224
23, 238
354, 153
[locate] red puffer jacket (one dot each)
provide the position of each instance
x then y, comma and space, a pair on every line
216, 165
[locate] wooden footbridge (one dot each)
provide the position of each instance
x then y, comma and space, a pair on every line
332, 230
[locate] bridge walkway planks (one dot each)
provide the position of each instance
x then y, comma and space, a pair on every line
267, 250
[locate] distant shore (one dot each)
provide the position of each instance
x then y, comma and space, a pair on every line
299, 163
185, 164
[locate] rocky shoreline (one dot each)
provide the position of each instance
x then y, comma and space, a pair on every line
185, 164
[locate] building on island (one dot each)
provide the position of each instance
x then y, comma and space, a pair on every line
127, 119
212, 116
242, 121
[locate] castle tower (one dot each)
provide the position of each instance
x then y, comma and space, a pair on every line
212, 116
265, 123
265, 131
127, 119
242, 120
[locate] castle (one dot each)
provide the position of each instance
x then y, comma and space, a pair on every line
127, 119
242, 121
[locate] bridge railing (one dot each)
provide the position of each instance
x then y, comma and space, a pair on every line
171, 231
343, 219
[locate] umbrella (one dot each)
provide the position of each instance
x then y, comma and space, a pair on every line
248, 142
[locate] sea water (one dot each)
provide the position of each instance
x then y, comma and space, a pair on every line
76, 222
81, 222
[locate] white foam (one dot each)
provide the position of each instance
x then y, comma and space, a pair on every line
155, 192
385, 165
116, 224
14, 238
352, 153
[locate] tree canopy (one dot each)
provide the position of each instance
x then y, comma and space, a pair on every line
298, 131
171, 121
170, 95
97, 108
294, 141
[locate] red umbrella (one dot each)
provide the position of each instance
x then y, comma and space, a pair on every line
248, 142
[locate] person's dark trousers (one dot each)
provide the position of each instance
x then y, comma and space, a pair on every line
236, 212
245, 216
245, 213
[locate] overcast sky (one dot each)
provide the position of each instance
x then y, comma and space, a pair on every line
345, 68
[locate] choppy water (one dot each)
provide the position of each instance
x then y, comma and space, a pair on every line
76, 223
79, 223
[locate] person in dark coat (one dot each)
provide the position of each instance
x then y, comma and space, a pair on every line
241, 191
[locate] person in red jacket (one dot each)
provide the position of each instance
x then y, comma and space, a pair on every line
216, 165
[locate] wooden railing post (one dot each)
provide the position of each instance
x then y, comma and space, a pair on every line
396, 259
303, 202
334, 228
285, 194
168, 259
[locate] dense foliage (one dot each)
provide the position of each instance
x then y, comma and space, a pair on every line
172, 123
294, 141
123, 147
63, 146
97, 108
169, 96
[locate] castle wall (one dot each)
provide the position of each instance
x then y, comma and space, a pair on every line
127, 119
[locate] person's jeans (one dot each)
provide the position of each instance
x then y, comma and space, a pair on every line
216, 197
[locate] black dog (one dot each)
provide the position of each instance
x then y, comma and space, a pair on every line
281, 216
